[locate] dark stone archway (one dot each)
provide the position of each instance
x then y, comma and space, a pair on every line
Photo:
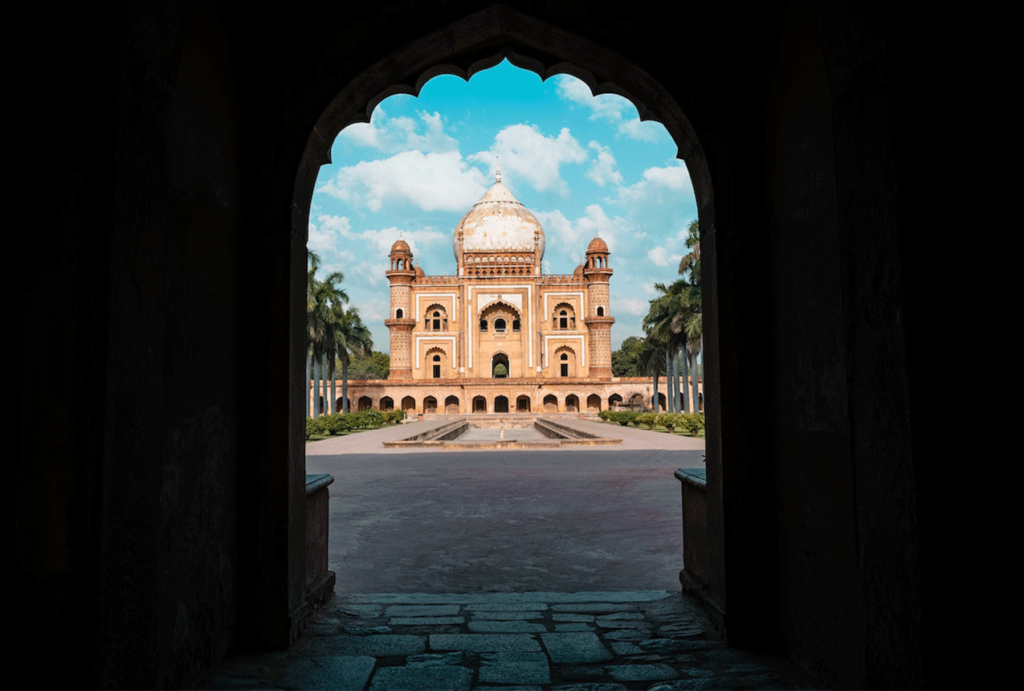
827, 515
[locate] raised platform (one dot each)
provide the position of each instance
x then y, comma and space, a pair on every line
502, 432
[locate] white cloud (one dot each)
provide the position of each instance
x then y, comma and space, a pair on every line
642, 130
659, 184
431, 182
603, 168
571, 237
658, 256
401, 133
625, 305
611, 108
528, 156
363, 254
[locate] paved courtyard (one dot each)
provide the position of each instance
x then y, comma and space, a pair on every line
566, 520
511, 569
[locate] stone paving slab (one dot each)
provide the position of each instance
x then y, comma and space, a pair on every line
506, 627
425, 621
436, 678
506, 606
641, 672
575, 648
485, 642
378, 645
508, 616
514, 668
593, 607
337, 672
422, 611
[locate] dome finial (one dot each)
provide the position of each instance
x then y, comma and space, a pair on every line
497, 173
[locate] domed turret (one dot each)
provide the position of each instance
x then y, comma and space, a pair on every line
597, 245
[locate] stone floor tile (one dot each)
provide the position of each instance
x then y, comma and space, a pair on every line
622, 616
662, 645
434, 659
657, 672
422, 610
572, 673
425, 621
594, 607
514, 668
574, 648
383, 645
485, 642
337, 672
361, 630
573, 626
620, 624
506, 627
633, 635
434, 677
682, 630
625, 648
508, 616
569, 616
505, 606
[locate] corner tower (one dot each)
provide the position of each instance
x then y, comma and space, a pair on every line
401, 319
599, 321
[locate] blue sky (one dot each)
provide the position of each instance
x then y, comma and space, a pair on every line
582, 165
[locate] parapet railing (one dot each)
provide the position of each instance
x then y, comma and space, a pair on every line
694, 576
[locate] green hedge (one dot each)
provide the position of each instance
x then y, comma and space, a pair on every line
340, 423
691, 423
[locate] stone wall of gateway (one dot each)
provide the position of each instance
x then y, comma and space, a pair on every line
456, 396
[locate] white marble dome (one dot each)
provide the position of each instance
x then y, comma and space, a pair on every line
499, 223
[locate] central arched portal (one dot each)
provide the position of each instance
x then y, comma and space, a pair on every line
500, 366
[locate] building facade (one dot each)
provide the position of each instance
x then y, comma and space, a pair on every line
500, 335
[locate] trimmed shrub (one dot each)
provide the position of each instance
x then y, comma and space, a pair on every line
649, 419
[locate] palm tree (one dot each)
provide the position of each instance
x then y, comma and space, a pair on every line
694, 327
323, 299
347, 335
665, 327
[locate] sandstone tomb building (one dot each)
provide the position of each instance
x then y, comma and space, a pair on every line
500, 336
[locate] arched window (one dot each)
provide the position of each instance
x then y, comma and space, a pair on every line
564, 317
499, 326
600, 311
564, 364
399, 313
435, 318
437, 366
483, 326
515, 326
